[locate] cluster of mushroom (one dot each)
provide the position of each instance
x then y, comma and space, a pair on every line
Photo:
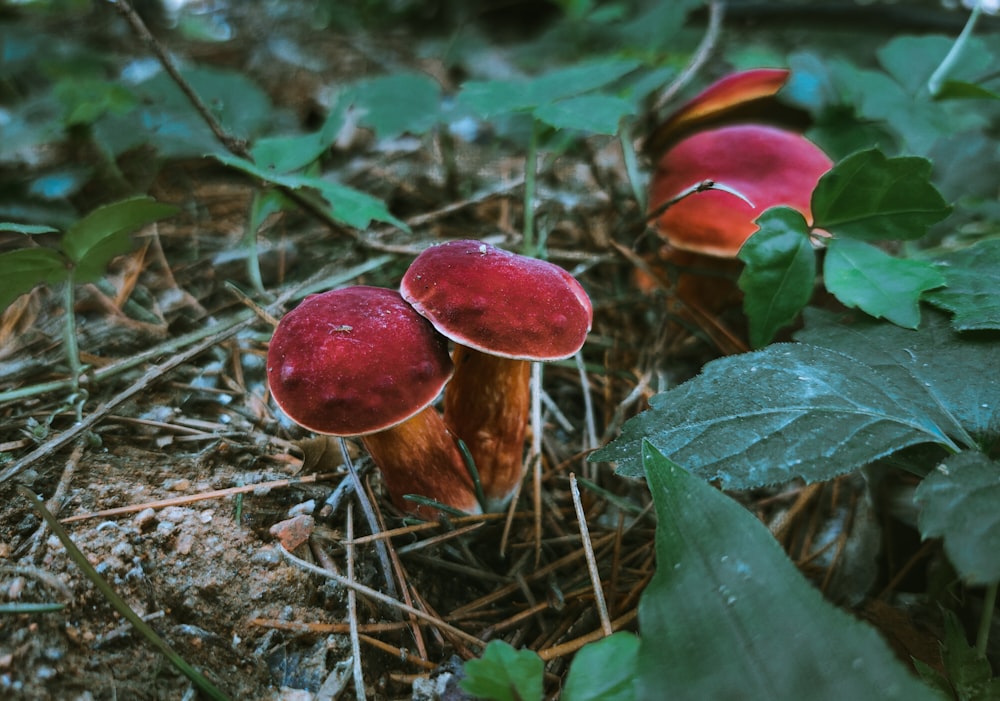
738, 134
369, 362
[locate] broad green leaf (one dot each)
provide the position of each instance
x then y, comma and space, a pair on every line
239, 104
168, 122
789, 410
958, 503
24, 268
777, 281
973, 286
504, 674
86, 99
912, 60
899, 98
870, 197
352, 207
603, 670
28, 229
961, 90
284, 154
728, 616
931, 365
396, 104
104, 233
496, 97
864, 277
597, 114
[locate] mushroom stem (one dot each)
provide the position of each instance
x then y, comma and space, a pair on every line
486, 404
420, 456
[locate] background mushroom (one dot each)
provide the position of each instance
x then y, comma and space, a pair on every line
738, 134
359, 361
502, 310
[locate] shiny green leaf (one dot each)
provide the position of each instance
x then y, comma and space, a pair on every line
504, 674
864, 277
728, 616
870, 197
789, 410
780, 271
603, 670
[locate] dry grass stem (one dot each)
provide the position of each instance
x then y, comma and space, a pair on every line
588, 550
382, 598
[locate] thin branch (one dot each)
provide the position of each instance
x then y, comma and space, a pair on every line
352, 610
233, 145
716, 10
588, 551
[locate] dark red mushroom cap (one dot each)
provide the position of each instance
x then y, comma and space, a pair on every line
355, 360
767, 165
499, 302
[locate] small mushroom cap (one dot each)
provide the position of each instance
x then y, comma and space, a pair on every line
355, 360
743, 97
499, 302
769, 166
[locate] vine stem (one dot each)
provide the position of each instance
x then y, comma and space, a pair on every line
71, 345
529, 245
983, 634
936, 81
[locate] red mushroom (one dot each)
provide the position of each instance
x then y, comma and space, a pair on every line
742, 97
359, 361
738, 134
502, 310
769, 166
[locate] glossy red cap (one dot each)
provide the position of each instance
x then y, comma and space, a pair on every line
355, 360
767, 165
498, 302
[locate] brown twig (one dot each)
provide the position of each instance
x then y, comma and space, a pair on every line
588, 550
202, 496
234, 145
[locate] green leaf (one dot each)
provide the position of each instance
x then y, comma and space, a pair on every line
961, 90
970, 677
596, 114
104, 233
864, 277
724, 615
24, 268
777, 281
28, 229
285, 154
352, 207
972, 276
496, 97
396, 104
789, 410
603, 670
931, 365
958, 503
504, 674
870, 197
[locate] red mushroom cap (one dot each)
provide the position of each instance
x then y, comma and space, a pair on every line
355, 360
769, 166
743, 97
498, 302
